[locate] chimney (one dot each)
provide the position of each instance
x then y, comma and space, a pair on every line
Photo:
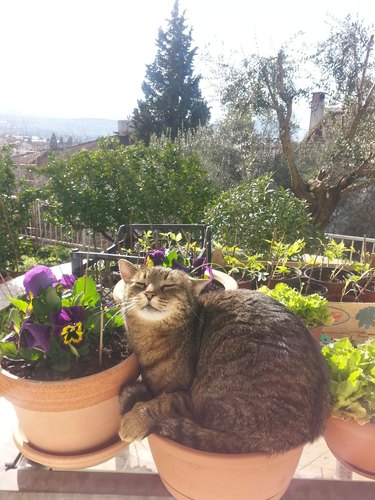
317, 110
125, 128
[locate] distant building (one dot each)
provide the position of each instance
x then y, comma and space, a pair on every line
27, 161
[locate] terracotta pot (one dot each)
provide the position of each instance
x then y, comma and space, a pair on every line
244, 281
366, 289
198, 475
292, 279
70, 423
227, 281
315, 332
323, 277
352, 444
309, 287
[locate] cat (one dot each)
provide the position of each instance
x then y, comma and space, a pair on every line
226, 371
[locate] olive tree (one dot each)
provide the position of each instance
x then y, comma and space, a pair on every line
338, 157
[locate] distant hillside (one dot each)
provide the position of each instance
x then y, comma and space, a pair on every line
83, 129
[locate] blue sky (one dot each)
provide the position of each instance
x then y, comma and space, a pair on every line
87, 58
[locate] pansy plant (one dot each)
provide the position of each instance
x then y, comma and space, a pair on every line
60, 321
173, 258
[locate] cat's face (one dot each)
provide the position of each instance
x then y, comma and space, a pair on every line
155, 294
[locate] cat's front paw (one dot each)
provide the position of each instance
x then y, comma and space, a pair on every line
136, 424
131, 394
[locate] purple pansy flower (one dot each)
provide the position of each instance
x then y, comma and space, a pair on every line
37, 279
156, 256
198, 266
68, 280
69, 324
34, 335
181, 267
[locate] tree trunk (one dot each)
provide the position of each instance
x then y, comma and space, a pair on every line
324, 204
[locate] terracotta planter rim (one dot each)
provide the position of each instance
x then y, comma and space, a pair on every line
237, 459
76, 392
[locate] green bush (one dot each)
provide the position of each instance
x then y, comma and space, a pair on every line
115, 185
253, 212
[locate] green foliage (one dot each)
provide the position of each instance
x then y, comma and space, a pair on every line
12, 212
59, 323
352, 379
173, 100
311, 309
335, 159
114, 185
48, 255
247, 216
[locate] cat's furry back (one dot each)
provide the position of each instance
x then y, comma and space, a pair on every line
230, 371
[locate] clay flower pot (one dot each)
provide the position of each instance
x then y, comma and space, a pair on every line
316, 332
323, 276
352, 444
188, 473
71, 423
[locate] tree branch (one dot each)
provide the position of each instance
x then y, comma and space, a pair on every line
364, 70
357, 187
360, 114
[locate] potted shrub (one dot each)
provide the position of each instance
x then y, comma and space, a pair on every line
279, 268
244, 268
62, 366
312, 309
333, 271
350, 432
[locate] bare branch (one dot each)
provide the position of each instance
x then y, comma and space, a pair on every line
357, 187
365, 66
360, 114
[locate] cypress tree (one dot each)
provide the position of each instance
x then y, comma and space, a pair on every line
172, 101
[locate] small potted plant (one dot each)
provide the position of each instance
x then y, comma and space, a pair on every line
312, 309
333, 270
279, 262
246, 269
350, 432
62, 363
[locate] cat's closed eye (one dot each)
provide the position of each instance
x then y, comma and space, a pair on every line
169, 287
139, 285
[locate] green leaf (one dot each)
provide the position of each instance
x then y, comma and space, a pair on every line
87, 286
9, 349
20, 304
74, 350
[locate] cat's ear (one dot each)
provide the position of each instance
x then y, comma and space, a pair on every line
198, 285
127, 270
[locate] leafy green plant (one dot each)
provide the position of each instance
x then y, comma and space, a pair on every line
117, 184
311, 309
281, 253
60, 324
246, 216
238, 262
352, 371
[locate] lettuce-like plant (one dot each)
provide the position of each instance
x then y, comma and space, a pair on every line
352, 371
311, 309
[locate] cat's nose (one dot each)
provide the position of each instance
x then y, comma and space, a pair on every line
149, 295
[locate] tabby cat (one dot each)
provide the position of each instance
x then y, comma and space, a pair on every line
227, 371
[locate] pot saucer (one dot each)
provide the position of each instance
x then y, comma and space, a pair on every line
67, 462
